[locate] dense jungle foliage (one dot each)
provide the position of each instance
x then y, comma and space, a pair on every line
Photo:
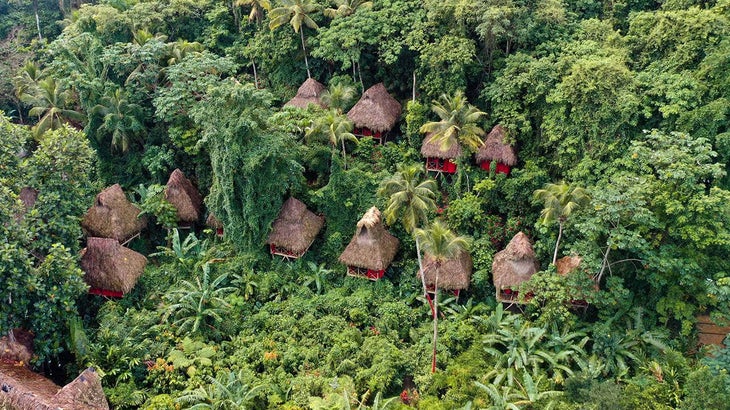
619, 112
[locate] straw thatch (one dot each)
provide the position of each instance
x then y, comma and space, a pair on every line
431, 148
372, 247
376, 110
495, 149
213, 222
567, 264
514, 264
296, 227
23, 389
113, 216
19, 348
111, 266
27, 196
309, 92
181, 193
454, 273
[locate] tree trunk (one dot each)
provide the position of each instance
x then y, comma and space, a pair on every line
344, 156
413, 98
420, 270
359, 74
604, 265
306, 62
435, 319
557, 243
255, 74
37, 19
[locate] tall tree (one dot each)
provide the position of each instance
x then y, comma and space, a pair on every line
560, 200
442, 244
346, 8
257, 9
458, 123
336, 128
120, 119
49, 101
338, 97
296, 13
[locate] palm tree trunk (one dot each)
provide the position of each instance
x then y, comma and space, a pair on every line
359, 74
435, 319
557, 243
344, 156
420, 270
255, 74
413, 98
306, 62
37, 19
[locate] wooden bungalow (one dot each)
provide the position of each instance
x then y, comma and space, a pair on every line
111, 269
710, 332
294, 230
495, 149
512, 266
439, 160
183, 195
371, 249
375, 114
310, 92
113, 216
454, 275
216, 224
22, 389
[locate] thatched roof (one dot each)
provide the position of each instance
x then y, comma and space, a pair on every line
375, 110
27, 196
309, 93
567, 264
514, 264
454, 273
181, 193
17, 349
494, 148
431, 148
296, 227
113, 216
372, 247
111, 266
213, 222
23, 389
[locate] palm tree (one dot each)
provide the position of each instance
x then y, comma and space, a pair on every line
409, 200
458, 123
336, 128
346, 8
442, 244
257, 8
120, 119
338, 97
296, 13
560, 200
48, 101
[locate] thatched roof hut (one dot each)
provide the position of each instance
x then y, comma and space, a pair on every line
372, 248
514, 264
495, 149
309, 92
567, 264
376, 110
113, 216
213, 222
294, 229
23, 389
181, 193
455, 273
110, 267
431, 148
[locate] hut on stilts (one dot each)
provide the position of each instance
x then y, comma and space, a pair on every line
495, 149
310, 92
113, 216
371, 249
22, 389
454, 274
294, 230
438, 160
513, 266
183, 195
375, 114
110, 269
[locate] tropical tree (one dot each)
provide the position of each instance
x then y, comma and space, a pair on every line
120, 119
442, 244
336, 128
49, 101
346, 8
257, 9
560, 200
409, 200
296, 13
458, 123
338, 97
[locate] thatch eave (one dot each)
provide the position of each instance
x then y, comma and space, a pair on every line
495, 148
376, 110
371, 247
454, 274
296, 227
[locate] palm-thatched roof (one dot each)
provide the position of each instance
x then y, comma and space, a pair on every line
495, 149
23, 389
309, 92
111, 266
181, 193
113, 216
19, 348
514, 264
454, 273
431, 148
375, 110
567, 264
372, 247
213, 222
296, 227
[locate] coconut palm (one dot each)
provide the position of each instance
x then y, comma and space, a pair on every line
346, 8
257, 9
409, 200
296, 13
338, 97
336, 128
442, 244
48, 101
560, 200
120, 119
458, 123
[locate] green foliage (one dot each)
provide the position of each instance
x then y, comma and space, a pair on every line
153, 203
